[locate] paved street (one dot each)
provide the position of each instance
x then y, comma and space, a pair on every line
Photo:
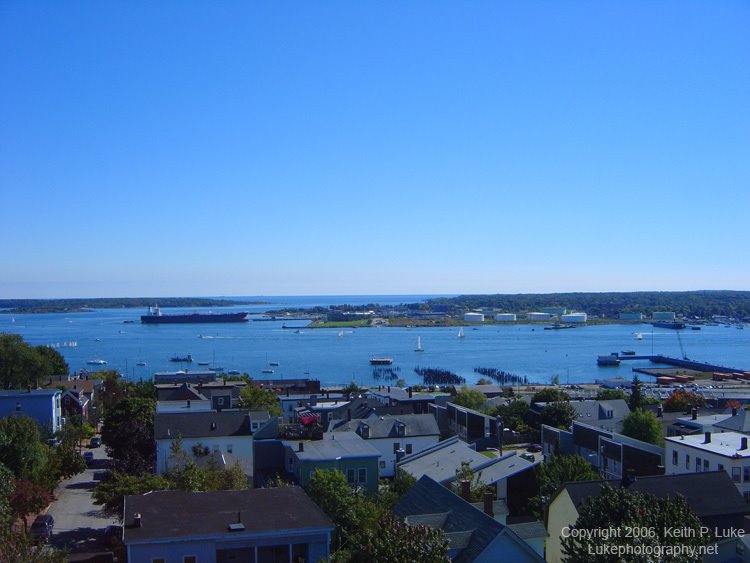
79, 523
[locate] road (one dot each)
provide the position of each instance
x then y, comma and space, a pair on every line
79, 523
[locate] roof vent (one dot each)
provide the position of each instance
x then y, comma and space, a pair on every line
213, 426
238, 527
137, 519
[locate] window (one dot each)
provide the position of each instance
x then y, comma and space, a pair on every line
255, 425
721, 467
350, 476
736, 475
216, 448
687, 461
396, 447
705, 465
189, 559
221, 400
674, 458
229, 448
362, 477
746, 474
408, 449
382, 464
698, 464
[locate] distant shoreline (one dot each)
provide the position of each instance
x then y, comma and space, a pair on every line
25, 306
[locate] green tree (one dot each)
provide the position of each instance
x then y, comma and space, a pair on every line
69, 461
110, 493
332, 494
477, 487
128, 433
560, 415
22, 364
392, 541
484, 381
259, 399
352, 388
6, 490
22, 548
555, 471
636, 394
470, 398
644, 426
621, 510
21, 447
611, 395
550, 395
514, 415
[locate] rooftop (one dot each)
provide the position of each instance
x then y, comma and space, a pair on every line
441, 460
727, 444
177, 514
167, 425
342, 444
29, 392
386, 426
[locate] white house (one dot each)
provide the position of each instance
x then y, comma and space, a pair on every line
724, 451
226, 436
394, 436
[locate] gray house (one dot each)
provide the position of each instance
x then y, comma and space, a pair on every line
280, 524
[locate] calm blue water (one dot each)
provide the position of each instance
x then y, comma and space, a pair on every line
249, 347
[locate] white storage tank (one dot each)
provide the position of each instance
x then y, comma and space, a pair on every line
663, 315
473, 317
631, 316
573, 318
538, 316
505, 317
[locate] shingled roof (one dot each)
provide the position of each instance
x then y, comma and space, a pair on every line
204, 424
467, 528
386, 426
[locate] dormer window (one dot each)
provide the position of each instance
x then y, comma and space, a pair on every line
400, 429
364, 430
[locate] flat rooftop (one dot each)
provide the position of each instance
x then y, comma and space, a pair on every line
727, 444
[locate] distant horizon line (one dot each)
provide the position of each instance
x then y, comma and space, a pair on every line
438, 294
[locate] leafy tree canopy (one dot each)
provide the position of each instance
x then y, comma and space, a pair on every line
560, 415
392, 541
128, 433
611, 395
643, 425
550, 395
680, 399
260, 399
470, 398
21, 364
21, 447
555, 471
620, 510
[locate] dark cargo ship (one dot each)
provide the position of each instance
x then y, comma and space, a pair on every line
155, 316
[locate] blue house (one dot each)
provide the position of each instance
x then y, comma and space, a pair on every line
256, 525
43, 405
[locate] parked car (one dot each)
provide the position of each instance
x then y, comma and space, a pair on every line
534, 448
88, 457
112, 536
528, 457
95, 442
41, 529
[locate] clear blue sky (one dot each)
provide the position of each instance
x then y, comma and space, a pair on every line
271, 148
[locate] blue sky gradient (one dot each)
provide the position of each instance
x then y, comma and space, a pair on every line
249, 148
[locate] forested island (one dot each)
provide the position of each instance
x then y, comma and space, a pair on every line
19, 306
609, 305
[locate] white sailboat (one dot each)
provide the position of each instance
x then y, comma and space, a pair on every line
419, 345
638, 336
341, 334
461, 332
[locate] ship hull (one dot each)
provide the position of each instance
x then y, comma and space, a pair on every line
197, 318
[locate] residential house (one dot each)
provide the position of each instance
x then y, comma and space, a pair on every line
612, 453
739, 421
42, 405
259, 525
393, 436
511, 476
607, 415
473, 536
227, 435
412, 401
75, 402
711, 496
725, 451
347, 452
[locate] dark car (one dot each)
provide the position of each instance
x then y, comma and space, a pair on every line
88, 457
534, 448
112, 536
41, 529
95, 442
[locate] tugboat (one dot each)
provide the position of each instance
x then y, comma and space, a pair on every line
381, 361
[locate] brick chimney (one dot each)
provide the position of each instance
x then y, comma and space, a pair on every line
137, 520
488, 500
743, 443
301, 447
708, 438
734, 411
695, 413
466, 490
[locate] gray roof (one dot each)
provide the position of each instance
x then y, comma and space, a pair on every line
402, 395
386, 426
177, 514
468, 529
504, 467
529, 530
708, 494
29, 393
738, 423
441, 460
346, 445
204, 424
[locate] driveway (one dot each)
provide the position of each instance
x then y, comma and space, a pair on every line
79, 523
